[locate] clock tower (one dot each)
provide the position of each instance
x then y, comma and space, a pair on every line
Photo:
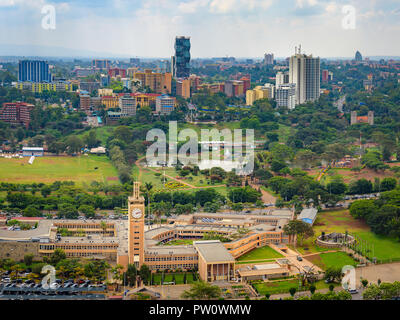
136, 212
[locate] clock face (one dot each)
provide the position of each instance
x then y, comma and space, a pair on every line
136, 213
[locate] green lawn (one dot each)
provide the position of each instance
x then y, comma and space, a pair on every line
263, 253
283, 286
385, 248
332, 259
49, 169
179, 242
168, 277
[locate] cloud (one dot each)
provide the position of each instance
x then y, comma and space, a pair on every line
222, 6
192, 6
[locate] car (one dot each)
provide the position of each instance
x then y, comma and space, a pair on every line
299, 258
353, 291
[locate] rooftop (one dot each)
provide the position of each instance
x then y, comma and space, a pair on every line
213, 251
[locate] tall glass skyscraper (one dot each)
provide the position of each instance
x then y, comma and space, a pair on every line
34, 71
181, 60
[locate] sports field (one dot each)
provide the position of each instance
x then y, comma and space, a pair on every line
259, 254
385, 248
49, 169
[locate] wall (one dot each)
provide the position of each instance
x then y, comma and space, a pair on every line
17, 250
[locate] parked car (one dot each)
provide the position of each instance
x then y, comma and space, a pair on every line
299, 258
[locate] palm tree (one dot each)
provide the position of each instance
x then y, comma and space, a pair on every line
103, 226
148, 186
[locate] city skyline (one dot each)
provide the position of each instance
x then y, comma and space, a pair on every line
217, 28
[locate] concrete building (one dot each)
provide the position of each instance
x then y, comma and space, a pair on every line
126, 241
354, 119
308, 215
165, 104
128, 106
183, 88
260, 92
281, 78
304, 71
101, 63
268, 59
32, 151
16, 113
39, 87
157, 82
285, 95
85, 103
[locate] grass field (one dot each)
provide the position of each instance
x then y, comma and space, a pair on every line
168, 277
263, 253
179, 242
341, 221
283, 286
332, 259
49, 169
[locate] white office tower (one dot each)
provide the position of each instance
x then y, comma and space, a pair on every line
304, 71
285, 95
281, 78
270, 89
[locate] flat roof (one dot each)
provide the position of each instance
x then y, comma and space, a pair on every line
213, 251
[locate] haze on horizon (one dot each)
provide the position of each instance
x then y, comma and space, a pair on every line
240, 28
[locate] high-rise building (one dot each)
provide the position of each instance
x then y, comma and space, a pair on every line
304, 72
268, 59
16, 113
165, 104
85, 103
114, 72
181, 60
325, 75
34, 71
183, 88
281, 78
101, 63
358, 56
157, 82
285, 95
128, 106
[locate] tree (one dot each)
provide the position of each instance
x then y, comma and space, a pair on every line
333, 274
331, 287
362, 209
312, 289
91, 139
74, 144
57, 256
28, 259
202, 291
145, 273
388, 184
364, 282
131, 274
32, 211
87, 210
292, 291
298, 228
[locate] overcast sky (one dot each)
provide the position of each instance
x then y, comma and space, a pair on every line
240, 28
